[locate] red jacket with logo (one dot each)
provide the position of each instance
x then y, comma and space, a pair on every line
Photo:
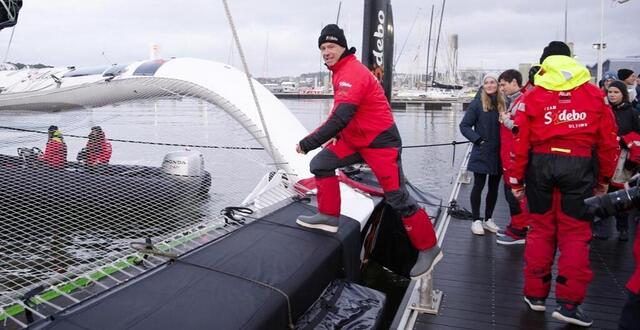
98, 152
577, 118
55, 153
361, 114
506, 138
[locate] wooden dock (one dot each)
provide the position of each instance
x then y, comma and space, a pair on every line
483, 281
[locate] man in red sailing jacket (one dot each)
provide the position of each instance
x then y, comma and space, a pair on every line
565, 131
361, 127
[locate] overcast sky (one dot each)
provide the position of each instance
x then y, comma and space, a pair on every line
280, 37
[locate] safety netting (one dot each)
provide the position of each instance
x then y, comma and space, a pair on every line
83, 190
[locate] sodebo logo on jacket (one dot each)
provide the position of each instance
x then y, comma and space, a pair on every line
563, 116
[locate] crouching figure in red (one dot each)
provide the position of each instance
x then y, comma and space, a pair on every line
359, 128
98, 148
565, 131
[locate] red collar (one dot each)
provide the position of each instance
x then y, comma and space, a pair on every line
342, 62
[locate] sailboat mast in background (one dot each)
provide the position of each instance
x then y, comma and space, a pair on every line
435, 55
426, 78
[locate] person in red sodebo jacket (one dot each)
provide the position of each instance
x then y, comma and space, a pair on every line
361, 127
565, 130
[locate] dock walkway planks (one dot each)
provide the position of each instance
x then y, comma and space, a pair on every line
482, 281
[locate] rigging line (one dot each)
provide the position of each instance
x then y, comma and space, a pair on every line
214, 146
435, 55
426, 78
6, 54
452, 143
143, 142
271, 150
428, 194
266, 285
150, 249
407, 38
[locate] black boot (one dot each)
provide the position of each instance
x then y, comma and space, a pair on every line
319, 221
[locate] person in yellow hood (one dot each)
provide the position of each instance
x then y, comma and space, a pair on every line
55, 152
564, 133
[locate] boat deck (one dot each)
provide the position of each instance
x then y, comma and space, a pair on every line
252, 279
482, 281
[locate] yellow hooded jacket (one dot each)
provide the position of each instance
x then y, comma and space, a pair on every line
561, 73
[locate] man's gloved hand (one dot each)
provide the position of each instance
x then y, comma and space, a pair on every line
518, 191
600, 189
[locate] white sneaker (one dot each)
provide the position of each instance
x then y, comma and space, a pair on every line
476, 227
490, 226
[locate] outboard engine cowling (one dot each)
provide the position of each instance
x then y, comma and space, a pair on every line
184, 163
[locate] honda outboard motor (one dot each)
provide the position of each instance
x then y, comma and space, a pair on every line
188, 163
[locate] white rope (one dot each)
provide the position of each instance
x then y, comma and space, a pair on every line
6, 54
248, 74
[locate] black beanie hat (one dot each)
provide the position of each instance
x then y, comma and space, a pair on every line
52, 128
532, 73
555, 48
622, 87
623, 74
332, 33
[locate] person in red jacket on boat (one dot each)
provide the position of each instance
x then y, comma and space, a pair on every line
55, 152
98, 149
565, 151
359, 128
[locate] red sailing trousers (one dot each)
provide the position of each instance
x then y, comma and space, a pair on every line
571, 236
520, 221
518, 211
385, 164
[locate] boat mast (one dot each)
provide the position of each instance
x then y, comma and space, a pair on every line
378, 41
435, 55
426, 78
265, 64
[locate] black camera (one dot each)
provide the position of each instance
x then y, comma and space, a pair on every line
614, 202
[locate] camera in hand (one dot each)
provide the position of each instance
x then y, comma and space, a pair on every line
614, 202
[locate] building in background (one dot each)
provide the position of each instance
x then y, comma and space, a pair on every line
615, 64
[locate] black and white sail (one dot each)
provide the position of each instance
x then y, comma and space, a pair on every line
377, 41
